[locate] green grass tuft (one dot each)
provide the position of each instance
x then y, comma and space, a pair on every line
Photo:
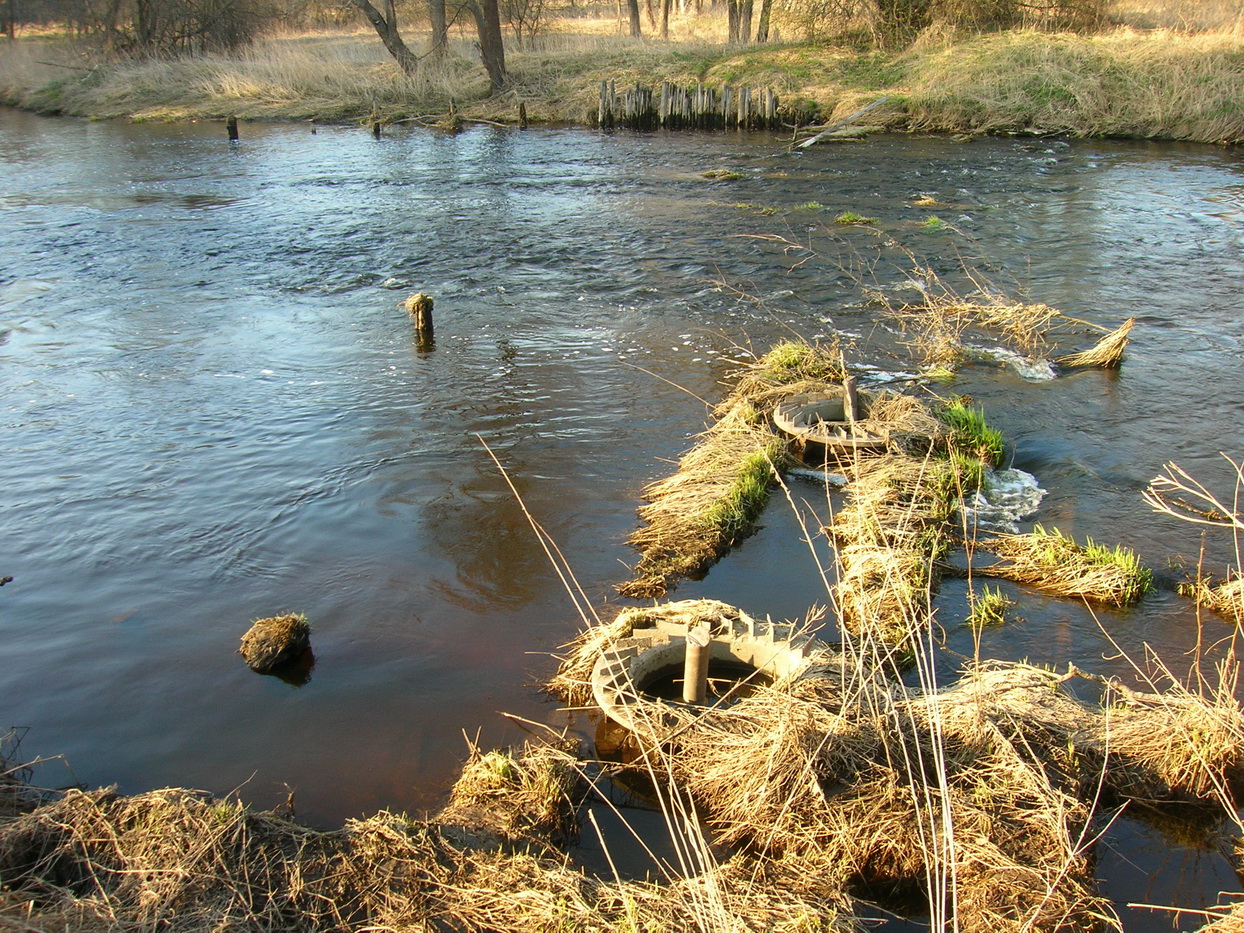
795, 361
850, 217
971, 434
989, 607
732, 515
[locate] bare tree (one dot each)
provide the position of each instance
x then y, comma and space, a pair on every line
487, 21
491, 48
386, 27
438, 43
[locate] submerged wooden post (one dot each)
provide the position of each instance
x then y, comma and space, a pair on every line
850, 399
231, 127
695, 666
375, 129
522, 115
419, 306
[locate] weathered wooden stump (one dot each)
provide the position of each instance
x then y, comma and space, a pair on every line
850, 399
276, 641
419, 307
231, 127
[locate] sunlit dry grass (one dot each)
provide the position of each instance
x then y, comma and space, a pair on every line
1125, 83
1181, 80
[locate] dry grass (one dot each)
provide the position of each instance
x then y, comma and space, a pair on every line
1182, 15
1178, 83
275, 641
939, 324
1124, 83
1224, 597
897, 525
980, 796
1051, 561
1107, 353
722, 483
709, 505
181, 860
530, 798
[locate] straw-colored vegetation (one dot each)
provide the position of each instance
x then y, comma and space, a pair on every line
1172, 75
275, 641
722, 483
1225, 597
1178, 494
979, 797
709, 505
1107, 353
1050, 560
940, 323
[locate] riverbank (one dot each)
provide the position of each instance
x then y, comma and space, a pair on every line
1159, 84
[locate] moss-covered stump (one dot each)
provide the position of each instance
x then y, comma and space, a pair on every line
275, 642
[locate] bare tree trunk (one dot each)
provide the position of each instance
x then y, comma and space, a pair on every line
762, 30
386, 28
732, 21
665, 18
491, 47
438, 43
633, 9
745, 22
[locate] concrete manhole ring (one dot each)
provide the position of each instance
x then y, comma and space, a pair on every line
657, 647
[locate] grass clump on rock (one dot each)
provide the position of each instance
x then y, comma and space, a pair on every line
275, 642
850, 218
1225, 597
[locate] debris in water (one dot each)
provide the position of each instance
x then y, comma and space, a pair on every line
1107, 353
823, 477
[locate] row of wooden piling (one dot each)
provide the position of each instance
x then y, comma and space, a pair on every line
675, 107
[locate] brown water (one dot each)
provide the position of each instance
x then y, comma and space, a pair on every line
214, 410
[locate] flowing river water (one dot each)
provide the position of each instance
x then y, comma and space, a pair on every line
214, 409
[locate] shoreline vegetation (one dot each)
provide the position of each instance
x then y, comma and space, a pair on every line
1140, 74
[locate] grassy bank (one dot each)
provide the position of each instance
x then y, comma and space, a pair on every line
1161, 83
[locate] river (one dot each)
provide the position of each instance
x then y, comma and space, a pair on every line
214, 409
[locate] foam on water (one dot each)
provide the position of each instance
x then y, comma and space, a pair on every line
1038, 370
1007, 497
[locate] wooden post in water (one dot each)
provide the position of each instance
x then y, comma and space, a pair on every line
850, 400
375, 129
522, 115
231, 127
695, 665
419, 307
